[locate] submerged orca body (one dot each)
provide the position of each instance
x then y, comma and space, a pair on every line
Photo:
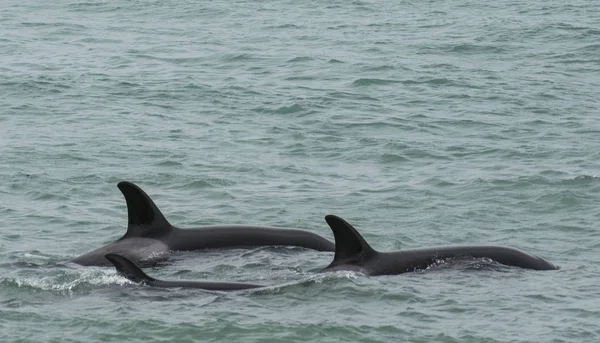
353, 253
133, 273
151, 237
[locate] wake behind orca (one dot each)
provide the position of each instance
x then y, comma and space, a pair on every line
353, 253
133, 273
150, 236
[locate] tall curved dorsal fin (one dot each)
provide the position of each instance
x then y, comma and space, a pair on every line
145, 219
128, 269
350, 246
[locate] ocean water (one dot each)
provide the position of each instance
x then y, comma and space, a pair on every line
422, 123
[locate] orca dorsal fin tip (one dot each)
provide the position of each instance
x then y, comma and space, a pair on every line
144, 217
125, 184
128, 269
349, 244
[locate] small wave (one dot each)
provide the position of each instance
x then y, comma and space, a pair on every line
295, 108
208, 183
341, 274
238, 57
384, 67
66, 282
300, 59
595, 48
474, 48
94, 40
438, 81
587, 177
348, 95
564, 198
392, 158
87, 4
37, 255
322, 279
64, 25
577, 180
169, 163
287, 26
468, 264
300, 78
544, 178
174, 60
370, 81
47, 196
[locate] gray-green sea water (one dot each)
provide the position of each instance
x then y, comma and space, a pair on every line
422, 123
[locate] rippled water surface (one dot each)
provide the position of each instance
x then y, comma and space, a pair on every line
420, 122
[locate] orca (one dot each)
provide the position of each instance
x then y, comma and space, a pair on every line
150, 237
133, 273
353, 253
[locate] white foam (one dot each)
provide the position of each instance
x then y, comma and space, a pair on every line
70, 281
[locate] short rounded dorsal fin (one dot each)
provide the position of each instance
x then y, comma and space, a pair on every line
350, 246
128, 269
144, 217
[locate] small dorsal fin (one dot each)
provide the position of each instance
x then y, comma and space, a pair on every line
350, 246
128, 269
145, 219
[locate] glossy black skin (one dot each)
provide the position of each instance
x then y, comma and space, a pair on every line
151, 237
354, 253
132, 272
